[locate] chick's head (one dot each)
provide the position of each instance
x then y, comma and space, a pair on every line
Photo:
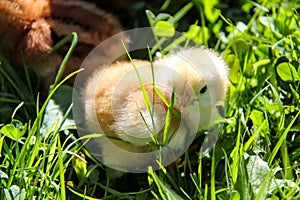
200, 79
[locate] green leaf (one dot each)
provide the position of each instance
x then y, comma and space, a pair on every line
258, 120
14, 193
151, 17
3, 175
164, 17
164, 29
236, 196
259, 175
282, 183
287, 72
55, 110
80, 166
211, 13
14, 130
153, 20
268, 22
198, 34
241, 48
257, 117
234, 64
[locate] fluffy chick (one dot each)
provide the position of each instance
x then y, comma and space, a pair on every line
115, 104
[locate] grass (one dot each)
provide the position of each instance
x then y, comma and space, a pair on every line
256, 157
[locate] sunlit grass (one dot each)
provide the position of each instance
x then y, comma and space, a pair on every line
256, 157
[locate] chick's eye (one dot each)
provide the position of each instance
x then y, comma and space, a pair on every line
203, 89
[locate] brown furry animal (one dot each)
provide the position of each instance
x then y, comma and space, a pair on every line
31, 28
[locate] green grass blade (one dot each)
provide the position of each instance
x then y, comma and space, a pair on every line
63, 64
61, 170
253, 136
164, 190
183, 11
212, 176
163, 98
168, 119
81, 195
144, 92
281, 140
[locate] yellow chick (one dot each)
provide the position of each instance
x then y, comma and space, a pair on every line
133, 115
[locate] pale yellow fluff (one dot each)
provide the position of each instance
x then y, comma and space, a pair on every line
114, 102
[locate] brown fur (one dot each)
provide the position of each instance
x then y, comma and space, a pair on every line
28, 26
